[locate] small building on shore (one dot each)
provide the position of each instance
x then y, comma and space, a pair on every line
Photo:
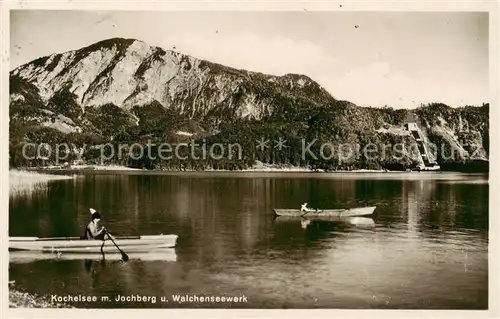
411, 126
411, 122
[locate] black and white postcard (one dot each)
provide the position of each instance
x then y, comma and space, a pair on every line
227, 157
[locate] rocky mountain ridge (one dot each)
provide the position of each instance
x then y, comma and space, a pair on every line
123, 90
127, 73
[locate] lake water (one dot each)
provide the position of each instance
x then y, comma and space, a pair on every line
426, 247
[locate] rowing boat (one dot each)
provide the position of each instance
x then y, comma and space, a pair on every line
26, 256
348, 212
78, 245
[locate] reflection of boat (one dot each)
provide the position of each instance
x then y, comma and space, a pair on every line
345, 220
329, 213
304, 223
25, 256
361, 221
78, 245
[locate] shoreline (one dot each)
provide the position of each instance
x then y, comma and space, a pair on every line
20, 299
257, 169
98, 168
75, 170
46, 173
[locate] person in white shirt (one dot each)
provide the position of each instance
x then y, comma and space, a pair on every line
304, 208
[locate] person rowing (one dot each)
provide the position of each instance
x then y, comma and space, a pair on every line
92, 231
304, 208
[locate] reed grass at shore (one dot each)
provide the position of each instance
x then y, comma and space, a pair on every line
26, 181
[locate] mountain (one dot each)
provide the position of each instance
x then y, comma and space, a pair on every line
129, 73
125, 91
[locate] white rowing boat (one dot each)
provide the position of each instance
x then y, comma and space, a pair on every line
326, 213
78, 245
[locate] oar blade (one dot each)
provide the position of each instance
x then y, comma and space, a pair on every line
124, 257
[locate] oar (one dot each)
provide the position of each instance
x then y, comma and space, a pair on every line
309, 211
124, 255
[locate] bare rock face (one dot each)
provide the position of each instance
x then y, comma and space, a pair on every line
127, 73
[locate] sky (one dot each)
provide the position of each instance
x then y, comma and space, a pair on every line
398, 59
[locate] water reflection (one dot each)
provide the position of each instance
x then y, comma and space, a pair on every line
229, 240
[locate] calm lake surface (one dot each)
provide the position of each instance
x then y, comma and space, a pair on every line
426, 247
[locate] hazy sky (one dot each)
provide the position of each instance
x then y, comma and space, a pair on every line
369, 58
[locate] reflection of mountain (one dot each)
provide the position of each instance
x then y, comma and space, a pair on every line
427, 205
229, 241
232, 213
416, 197
213, 216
